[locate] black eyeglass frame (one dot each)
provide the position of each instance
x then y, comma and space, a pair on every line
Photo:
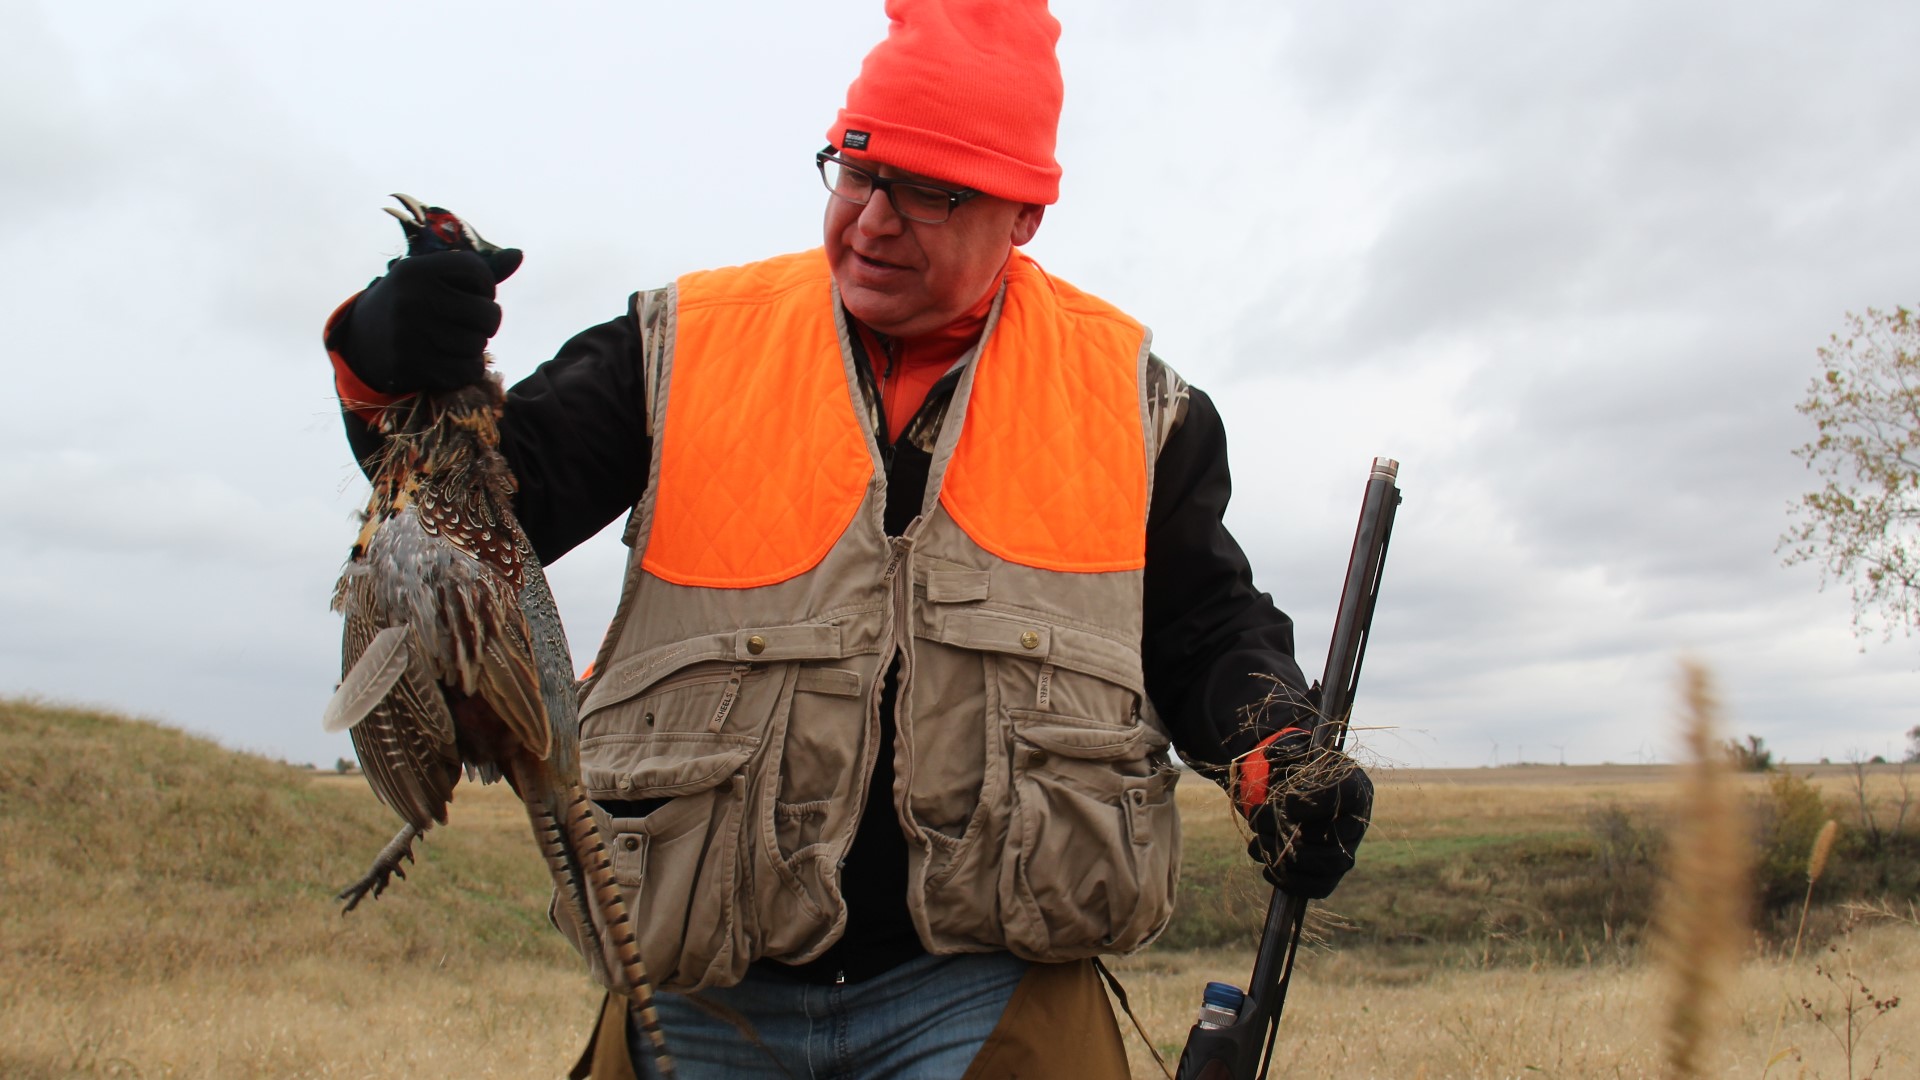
955, 196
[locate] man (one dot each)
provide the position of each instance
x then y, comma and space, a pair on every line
928, 570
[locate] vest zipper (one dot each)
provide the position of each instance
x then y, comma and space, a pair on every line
899, 578
885, 435
684, 679
897, 548
728, 696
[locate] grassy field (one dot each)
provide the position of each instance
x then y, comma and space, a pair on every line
168, 914
1457, 949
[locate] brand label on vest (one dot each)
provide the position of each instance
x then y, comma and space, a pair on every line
855, 140
727, 698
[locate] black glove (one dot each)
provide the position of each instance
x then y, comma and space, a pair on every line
424, 327
1308, 810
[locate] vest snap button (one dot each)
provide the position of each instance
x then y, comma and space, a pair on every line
1029, 640
756, 644
1036, 757
630, 843
648, 719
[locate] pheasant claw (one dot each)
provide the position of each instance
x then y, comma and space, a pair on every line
386, 866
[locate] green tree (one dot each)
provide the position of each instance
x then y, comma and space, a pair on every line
1863, 525
1751, 757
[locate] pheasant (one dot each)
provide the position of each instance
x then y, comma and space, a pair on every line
455, 660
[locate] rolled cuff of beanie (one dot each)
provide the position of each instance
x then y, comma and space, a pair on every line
943, 157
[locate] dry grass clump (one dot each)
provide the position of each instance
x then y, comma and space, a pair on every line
310, 1017
1314, 772
1343, 1019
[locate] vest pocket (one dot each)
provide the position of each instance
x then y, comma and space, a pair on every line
1093, 846
820, 746
670, 764
679, 869
808, 822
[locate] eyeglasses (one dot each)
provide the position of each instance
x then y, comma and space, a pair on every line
914, 200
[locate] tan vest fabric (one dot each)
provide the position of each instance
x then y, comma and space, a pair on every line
1033, 784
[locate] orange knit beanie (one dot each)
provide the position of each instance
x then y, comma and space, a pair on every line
966, 91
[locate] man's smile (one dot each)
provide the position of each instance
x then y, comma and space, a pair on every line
878, 264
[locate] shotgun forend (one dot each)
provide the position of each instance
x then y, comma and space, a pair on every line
1242, 1049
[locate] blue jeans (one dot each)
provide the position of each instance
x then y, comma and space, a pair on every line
923, 1020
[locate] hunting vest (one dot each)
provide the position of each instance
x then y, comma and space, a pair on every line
733, 718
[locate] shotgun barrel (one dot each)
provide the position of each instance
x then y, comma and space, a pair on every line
1243, 1049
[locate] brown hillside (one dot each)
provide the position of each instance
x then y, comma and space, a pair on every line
162, 892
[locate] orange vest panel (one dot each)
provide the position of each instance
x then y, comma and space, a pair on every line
763, 462
1051, 468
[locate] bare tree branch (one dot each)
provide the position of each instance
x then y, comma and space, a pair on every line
1862, 526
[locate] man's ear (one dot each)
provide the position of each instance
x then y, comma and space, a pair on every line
1027, 222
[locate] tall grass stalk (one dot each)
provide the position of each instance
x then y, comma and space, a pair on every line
1816, 865
1702, 917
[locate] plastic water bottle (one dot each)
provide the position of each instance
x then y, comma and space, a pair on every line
1220, 1005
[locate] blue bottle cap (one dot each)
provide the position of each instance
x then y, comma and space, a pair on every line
1223, 995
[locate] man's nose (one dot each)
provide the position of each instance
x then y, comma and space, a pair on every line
878, 217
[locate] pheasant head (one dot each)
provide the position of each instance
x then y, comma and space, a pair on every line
435, 228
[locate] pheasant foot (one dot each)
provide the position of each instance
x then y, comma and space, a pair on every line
386, 866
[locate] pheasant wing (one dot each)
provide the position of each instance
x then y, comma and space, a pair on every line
489, 651
406, 743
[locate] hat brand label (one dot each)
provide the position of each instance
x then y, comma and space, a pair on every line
855, 140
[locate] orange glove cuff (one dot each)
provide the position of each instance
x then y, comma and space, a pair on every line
1251, 771
356, 397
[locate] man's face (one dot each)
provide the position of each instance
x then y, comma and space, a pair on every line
904, 278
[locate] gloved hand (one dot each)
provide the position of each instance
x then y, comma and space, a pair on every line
424, 327
1307, 808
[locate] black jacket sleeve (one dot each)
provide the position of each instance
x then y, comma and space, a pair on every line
1213, 645
574, 433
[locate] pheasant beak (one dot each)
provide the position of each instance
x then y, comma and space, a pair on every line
432, 228
413, 222
416, 214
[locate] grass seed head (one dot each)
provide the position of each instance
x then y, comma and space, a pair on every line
1822, 849
1702, 918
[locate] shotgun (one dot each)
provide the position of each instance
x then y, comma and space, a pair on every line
1235, 1036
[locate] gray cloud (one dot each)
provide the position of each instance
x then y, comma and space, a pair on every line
1570, 264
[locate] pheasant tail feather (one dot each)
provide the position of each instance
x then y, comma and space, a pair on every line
576, 854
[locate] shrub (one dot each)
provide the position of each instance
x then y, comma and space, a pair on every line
1787, 820
1753, 757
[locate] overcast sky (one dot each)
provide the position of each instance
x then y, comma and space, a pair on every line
1569, 264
